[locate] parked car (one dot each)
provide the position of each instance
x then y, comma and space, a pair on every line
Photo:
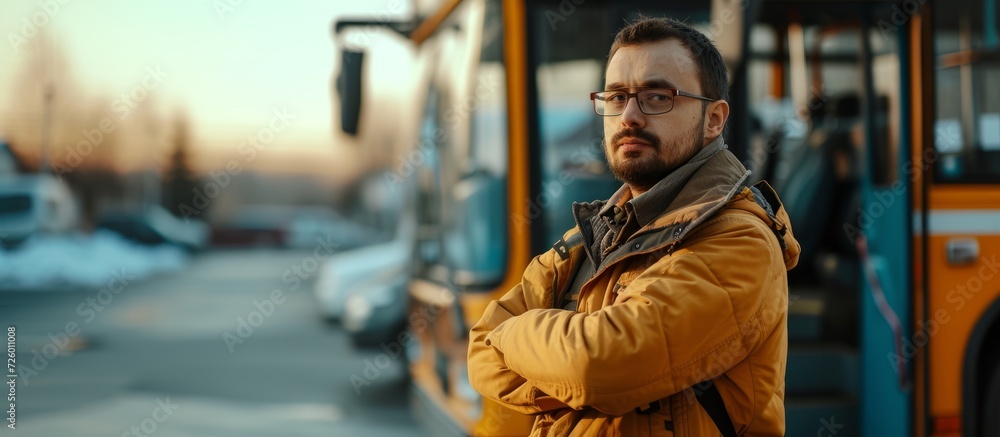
310, 224
9, 164
254, 226
362, 269
152, 225
33, 204
375, 310
365, 288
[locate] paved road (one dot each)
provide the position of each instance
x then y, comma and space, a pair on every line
155, 359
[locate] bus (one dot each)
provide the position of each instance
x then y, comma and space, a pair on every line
877, 122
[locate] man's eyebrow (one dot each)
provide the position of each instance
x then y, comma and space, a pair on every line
655, 83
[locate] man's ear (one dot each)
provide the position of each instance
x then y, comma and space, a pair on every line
716, 115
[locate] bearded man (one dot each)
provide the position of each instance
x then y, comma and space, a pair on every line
664, 311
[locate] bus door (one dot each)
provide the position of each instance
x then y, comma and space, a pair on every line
824, 93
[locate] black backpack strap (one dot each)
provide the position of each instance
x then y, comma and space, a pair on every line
766, 198
710, 399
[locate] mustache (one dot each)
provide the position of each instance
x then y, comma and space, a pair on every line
634, 132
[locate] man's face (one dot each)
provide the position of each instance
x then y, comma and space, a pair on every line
642, 149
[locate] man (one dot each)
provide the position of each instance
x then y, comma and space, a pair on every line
664, 311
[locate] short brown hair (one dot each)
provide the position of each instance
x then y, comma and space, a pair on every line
712, 72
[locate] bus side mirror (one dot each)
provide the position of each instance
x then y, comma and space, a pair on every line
349, 90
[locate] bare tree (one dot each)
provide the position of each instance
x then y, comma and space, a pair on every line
179, 181
43, 97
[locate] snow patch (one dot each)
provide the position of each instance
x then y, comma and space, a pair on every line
46, 261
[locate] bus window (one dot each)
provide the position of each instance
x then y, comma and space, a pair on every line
967, 125
573, 163
885, 74
571, 158
476, 242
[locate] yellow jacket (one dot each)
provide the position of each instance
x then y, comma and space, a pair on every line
698, 294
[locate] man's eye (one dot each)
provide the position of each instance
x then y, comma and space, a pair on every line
616, 97
657, 97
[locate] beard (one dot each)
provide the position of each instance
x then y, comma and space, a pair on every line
641, 170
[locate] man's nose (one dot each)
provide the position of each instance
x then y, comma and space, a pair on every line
632, 116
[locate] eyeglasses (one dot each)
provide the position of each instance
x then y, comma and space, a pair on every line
652, 101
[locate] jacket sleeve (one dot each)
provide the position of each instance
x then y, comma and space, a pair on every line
688, 318
488, 372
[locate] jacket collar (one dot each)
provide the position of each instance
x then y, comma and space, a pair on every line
706, 191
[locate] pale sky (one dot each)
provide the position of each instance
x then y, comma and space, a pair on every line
230, 67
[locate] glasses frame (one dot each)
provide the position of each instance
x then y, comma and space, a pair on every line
628, 96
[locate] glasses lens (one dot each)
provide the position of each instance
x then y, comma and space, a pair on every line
613, 102
656, 101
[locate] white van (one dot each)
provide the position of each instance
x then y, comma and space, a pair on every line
33, 204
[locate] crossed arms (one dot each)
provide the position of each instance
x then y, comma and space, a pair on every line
681, 321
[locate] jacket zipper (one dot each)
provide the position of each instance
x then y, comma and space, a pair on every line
590, 258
